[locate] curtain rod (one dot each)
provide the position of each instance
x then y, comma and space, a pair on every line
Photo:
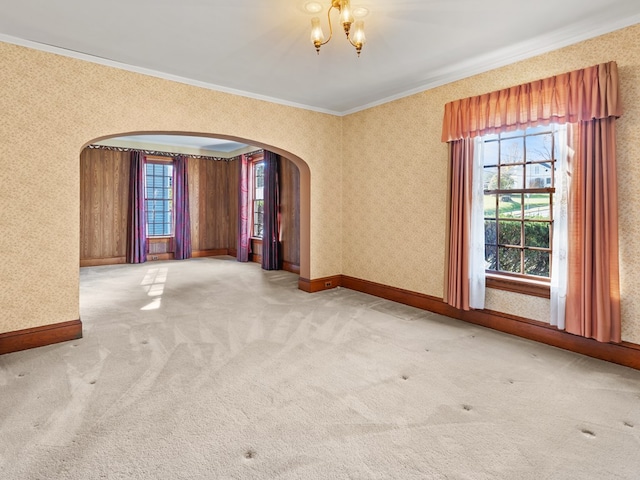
170, 154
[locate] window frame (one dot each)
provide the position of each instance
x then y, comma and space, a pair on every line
156, 160
253, 193
521, 282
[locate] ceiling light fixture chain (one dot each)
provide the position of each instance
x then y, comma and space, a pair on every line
355, 35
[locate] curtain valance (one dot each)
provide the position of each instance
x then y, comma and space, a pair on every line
581, 95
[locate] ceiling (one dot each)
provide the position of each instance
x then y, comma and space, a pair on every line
261, 48
179, 144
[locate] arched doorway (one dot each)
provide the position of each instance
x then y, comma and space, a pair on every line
304, 184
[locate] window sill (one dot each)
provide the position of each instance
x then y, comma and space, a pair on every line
536, 288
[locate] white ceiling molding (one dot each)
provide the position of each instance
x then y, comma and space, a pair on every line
506, 56
153, 73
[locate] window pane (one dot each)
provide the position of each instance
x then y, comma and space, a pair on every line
490, 178
510, 205
512, 177
509, 233
536, 262
512, 150
536, 234
509, 259
537, 205
539, 147
259, 175
491, 258
490, 205
491, 150
490, 233
537, 174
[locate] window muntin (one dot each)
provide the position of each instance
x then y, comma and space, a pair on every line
159, 199
258, 199
518, 176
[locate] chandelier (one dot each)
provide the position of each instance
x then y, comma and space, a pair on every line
354, 30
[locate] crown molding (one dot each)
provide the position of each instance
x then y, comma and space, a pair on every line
506, 56
570, 35
154, 73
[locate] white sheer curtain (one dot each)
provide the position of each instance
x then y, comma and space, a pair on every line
559, 257
476, 254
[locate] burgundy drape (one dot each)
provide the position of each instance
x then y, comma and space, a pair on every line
589, 98
460, 188
271, 256
182, 233
244, 226
136, 223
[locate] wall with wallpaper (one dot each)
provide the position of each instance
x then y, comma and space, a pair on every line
388, 226
394, 208
52, 106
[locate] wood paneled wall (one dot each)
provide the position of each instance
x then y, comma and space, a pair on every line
213, 204
104, 199
290, 212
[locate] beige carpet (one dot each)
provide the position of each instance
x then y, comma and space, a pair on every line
207, 369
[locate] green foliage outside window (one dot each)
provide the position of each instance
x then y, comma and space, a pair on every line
503, 251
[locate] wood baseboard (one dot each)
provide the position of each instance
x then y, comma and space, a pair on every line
319, 284
290, 267
625, 353
98, 262
210, 253
40, 336
157, 257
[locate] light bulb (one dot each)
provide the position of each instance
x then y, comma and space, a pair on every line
346, 16
357, 37
317, 35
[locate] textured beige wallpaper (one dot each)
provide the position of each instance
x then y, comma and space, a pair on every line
384, 223
396, 179
51, 106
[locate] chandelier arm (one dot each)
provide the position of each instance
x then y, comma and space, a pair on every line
330, 27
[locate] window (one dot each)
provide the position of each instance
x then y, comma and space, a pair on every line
258, 198
518, 180
159, 199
